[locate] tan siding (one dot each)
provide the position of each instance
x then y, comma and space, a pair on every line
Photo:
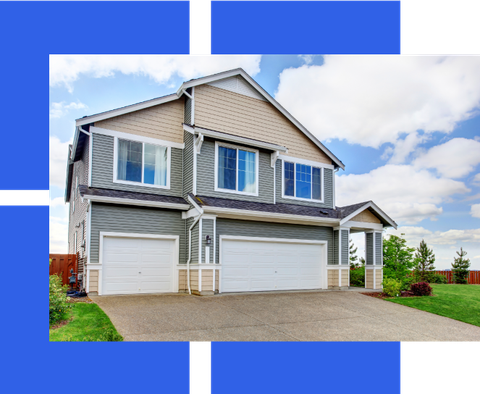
163, 121
345, 278
194, 280
217, 280
182, 280
207, 280
222, 110
93, 282
378, 279
369, 279
366, 216
332, 278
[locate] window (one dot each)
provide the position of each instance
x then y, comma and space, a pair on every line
237, 169
140, 162
302, 181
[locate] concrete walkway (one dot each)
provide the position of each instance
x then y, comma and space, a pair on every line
295, 316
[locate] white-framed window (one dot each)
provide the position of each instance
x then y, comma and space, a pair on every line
141, 163
236, 169
302, 181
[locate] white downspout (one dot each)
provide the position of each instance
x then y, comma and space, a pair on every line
197, 207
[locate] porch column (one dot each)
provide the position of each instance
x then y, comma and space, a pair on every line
339, 272
373, 260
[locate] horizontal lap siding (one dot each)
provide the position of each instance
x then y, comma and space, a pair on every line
194, 241
328, 189
188, 165
207, 229
162, 121
127, 219
273, 230
378, 278
207, 280
344, 246
333, 278
378, 248
187, 117
102, 170
336, 240
366, 216
369, 248
206, 176
93, 281
369, 279
234, 113
345, 278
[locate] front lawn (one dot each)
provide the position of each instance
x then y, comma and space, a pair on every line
89, 323
459, 302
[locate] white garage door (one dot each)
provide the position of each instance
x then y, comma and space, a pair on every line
259, 266
138, 265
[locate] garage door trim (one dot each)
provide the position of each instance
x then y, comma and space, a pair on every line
175, 262
323, 261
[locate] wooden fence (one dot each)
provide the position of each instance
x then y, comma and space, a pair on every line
473, 279
61, 264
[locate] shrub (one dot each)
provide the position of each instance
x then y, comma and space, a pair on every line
391, 287
357, 277
57, 299
460, 268
421, 289
437, 278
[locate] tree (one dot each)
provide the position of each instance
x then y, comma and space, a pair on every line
460, 267
397, 258
424, 262
353, 255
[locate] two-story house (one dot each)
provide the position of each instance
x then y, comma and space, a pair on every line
215, 188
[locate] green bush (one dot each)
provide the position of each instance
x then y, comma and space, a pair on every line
392, 287
57, 299
357, 277
437, 278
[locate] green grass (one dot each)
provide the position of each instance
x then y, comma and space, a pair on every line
89, 323
459, 302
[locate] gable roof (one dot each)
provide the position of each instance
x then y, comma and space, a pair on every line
205, 80
348, 212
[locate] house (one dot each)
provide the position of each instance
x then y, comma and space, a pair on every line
215, 188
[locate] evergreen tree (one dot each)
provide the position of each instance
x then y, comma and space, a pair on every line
353, 255
460, 267
424, 261
397, 258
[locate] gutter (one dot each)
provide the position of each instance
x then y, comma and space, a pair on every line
190, 240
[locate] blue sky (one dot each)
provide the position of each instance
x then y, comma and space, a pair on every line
406, 128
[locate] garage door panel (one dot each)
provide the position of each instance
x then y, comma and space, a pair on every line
117, 271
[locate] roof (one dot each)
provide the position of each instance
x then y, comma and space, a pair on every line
349, 209
348, 212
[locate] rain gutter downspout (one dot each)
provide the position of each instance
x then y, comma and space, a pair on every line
197, 207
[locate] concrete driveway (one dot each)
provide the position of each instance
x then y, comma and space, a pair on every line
292, 316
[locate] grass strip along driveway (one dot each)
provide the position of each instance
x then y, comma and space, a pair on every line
459, 302
89, 323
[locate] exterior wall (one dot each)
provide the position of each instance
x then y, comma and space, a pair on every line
328, 189
273, 230
336, 239
369, 248
222, 110
238, 85
139, 220
345, 278
93, 282
378, 249
345, 238
207, 280
217, 280
188, 164
206, 176
102, 169
194, 242
194, 280
79, 217
366, 216
207, 229
187, 115
369, 278
163, 121
332, 278
378, 278
182, 281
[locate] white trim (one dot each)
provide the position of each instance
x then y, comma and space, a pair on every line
275, 183
323, 261
176, 257
207, 254
372, 205
365, 225
194, 203
239, 140
188, 128
196, 266
192, 109
257, 154
125, 110
194, 181
306, 162
340, 255
190, 213
225, 212
273, 158
322, 182
137, 138
333, 189
200, 241
214, 244
141, 184
143, 203
90, 155
89, 229
199, 280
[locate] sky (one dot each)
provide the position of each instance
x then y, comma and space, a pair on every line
407, 128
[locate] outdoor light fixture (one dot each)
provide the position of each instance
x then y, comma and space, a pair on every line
208, 239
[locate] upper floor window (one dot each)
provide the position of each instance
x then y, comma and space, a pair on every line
236, 169
142, 163
302, 181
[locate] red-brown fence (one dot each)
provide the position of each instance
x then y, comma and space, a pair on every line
473, 279
62, 264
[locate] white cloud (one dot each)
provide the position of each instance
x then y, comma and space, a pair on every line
371, 100
414, 235
475, 211
476, 179
404, 147
57, 110
58, 235
65, 69
406, 194
58, 161
57, 202
308, 59
453, 159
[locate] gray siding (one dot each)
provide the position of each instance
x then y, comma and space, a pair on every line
378, 248
273, 230
187, 164
369, 249
344, 246
336, 239
102, 170
187, 116
328, 189
207, 229
129, 219
206, 176
195, 235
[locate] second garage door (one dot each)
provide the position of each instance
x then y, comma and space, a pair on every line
138, 265
250, 265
